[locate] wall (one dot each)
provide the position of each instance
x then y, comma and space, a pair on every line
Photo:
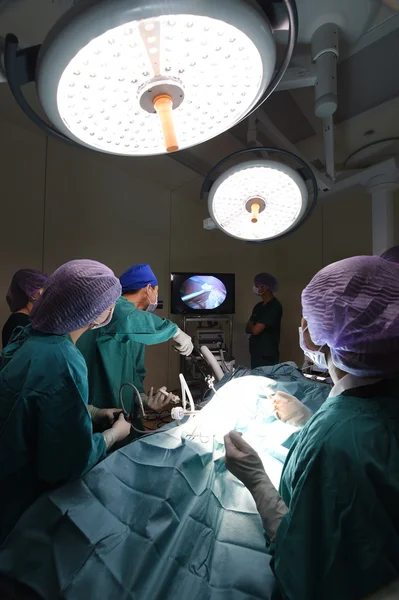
22, 176
97, 210
59, 203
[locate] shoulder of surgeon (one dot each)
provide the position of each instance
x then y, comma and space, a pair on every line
44, 362
359, 429
129, 319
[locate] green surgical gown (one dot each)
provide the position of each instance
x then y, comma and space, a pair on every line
115, 353
46, 435
340, 538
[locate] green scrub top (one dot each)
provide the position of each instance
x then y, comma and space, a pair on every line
115, 353
264, 348
46, 435
15, 320
340, 538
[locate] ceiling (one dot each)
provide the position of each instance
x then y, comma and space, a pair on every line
368, 89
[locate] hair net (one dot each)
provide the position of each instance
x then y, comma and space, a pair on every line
392, 254
268, 280
137, 277
353, 307
76, 295
24, 284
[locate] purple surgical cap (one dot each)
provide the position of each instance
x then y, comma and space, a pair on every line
392, 254
24, 285
137, 277
267, 280
76, 295
353, 307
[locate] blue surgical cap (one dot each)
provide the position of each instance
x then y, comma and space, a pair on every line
137, 277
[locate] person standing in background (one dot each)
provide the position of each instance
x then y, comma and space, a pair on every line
26, 287
265, 323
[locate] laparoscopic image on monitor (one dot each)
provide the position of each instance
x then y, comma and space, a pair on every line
200, 293
203, 292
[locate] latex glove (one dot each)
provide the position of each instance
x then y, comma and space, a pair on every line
243, 462
118, 432
103, 416
184, 343
290, 410
160, 400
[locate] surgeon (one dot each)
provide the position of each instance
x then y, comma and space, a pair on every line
26, 287
288, 408
333, 528
116, 353
265, 323
46, 425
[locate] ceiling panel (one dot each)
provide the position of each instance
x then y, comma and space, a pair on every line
282, 109
368, 78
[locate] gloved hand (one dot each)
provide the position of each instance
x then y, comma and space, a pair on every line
103, 417
184, 343
118, 432
290, 410
160, 400
243, 462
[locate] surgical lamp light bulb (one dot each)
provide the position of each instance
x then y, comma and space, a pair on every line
101, 58
274, 195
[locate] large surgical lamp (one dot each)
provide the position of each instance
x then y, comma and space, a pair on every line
259, 200
145, 77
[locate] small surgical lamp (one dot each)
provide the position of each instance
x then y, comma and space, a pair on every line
259, 200
141, 77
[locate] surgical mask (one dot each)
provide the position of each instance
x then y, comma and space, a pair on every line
256, 291
317, 357
107, 321
33, 300
153, 305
